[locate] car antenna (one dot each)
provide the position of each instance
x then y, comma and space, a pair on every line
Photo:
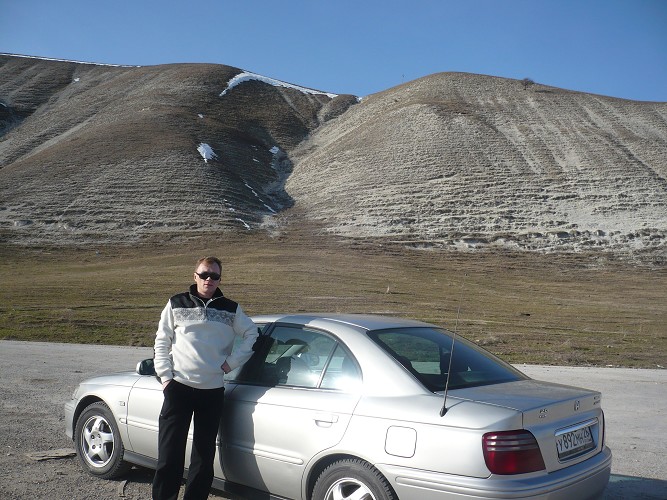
443, 410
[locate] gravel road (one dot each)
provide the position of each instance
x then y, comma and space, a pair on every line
37, 379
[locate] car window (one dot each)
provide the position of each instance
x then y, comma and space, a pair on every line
342, 372
300, 357
261, 328
425, 352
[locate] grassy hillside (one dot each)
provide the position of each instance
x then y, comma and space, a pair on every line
528, 308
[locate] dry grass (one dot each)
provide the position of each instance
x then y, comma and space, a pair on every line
527, 308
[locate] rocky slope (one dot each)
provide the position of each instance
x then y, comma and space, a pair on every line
466, 161
117, 154
101, 153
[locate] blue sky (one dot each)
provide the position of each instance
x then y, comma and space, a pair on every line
611, 47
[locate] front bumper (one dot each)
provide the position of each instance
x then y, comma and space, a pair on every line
586, 480
70, 406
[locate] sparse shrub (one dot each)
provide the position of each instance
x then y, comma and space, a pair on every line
527, 82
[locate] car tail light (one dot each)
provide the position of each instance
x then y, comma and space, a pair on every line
512, 452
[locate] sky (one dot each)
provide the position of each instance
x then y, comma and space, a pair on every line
615, 48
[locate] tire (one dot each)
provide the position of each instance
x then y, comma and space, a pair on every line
98, 443
352, 478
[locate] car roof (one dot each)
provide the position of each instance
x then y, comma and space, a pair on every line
362, 321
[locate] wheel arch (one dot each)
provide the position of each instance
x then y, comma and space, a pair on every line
322, 463
84, 403
114, 463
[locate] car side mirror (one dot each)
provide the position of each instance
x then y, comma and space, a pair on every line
146, 367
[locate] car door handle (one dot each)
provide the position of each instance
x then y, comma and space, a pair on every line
325, 419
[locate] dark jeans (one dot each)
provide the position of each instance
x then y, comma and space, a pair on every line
180, 403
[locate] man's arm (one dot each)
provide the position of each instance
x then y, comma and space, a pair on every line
247, 330
162, 349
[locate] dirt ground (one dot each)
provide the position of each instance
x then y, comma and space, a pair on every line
37, 380
39, 377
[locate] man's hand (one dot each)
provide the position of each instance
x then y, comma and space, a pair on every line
225, 367
165, 384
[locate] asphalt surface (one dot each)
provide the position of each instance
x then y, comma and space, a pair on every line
635, 408
37, 378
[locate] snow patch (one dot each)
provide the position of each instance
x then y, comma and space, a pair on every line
275, 151
247, 76
206, 152
260, 199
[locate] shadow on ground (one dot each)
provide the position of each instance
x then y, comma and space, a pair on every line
628, 487
619, 488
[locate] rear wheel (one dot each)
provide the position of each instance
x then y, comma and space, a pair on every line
352, 479
98, 443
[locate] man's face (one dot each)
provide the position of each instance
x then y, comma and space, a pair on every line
206, 285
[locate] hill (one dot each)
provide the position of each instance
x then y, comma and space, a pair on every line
466, 161
92, 153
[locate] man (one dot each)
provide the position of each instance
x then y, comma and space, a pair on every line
193, 351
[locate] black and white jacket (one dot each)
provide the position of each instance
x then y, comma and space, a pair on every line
195, 337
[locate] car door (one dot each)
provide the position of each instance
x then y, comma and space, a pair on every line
293, 400
144, 405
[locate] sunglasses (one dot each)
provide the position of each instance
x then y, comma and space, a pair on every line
207, 275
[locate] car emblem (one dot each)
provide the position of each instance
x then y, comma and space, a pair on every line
576, 405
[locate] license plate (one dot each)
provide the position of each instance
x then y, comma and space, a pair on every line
574, 442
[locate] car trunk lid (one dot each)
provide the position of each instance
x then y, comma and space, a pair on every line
566, 421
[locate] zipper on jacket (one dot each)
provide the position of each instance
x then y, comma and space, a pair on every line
205, 304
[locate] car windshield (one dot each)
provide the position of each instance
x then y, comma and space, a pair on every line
425, 352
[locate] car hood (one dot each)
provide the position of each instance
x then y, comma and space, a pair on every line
125, 379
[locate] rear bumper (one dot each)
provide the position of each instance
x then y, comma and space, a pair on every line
583, 481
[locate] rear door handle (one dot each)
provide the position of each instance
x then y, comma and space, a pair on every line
325, 419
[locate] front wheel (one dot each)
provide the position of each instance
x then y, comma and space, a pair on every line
98, 443
352, 479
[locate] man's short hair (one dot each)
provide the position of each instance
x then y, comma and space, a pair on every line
210, 261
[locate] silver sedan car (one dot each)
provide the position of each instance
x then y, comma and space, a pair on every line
334, 407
